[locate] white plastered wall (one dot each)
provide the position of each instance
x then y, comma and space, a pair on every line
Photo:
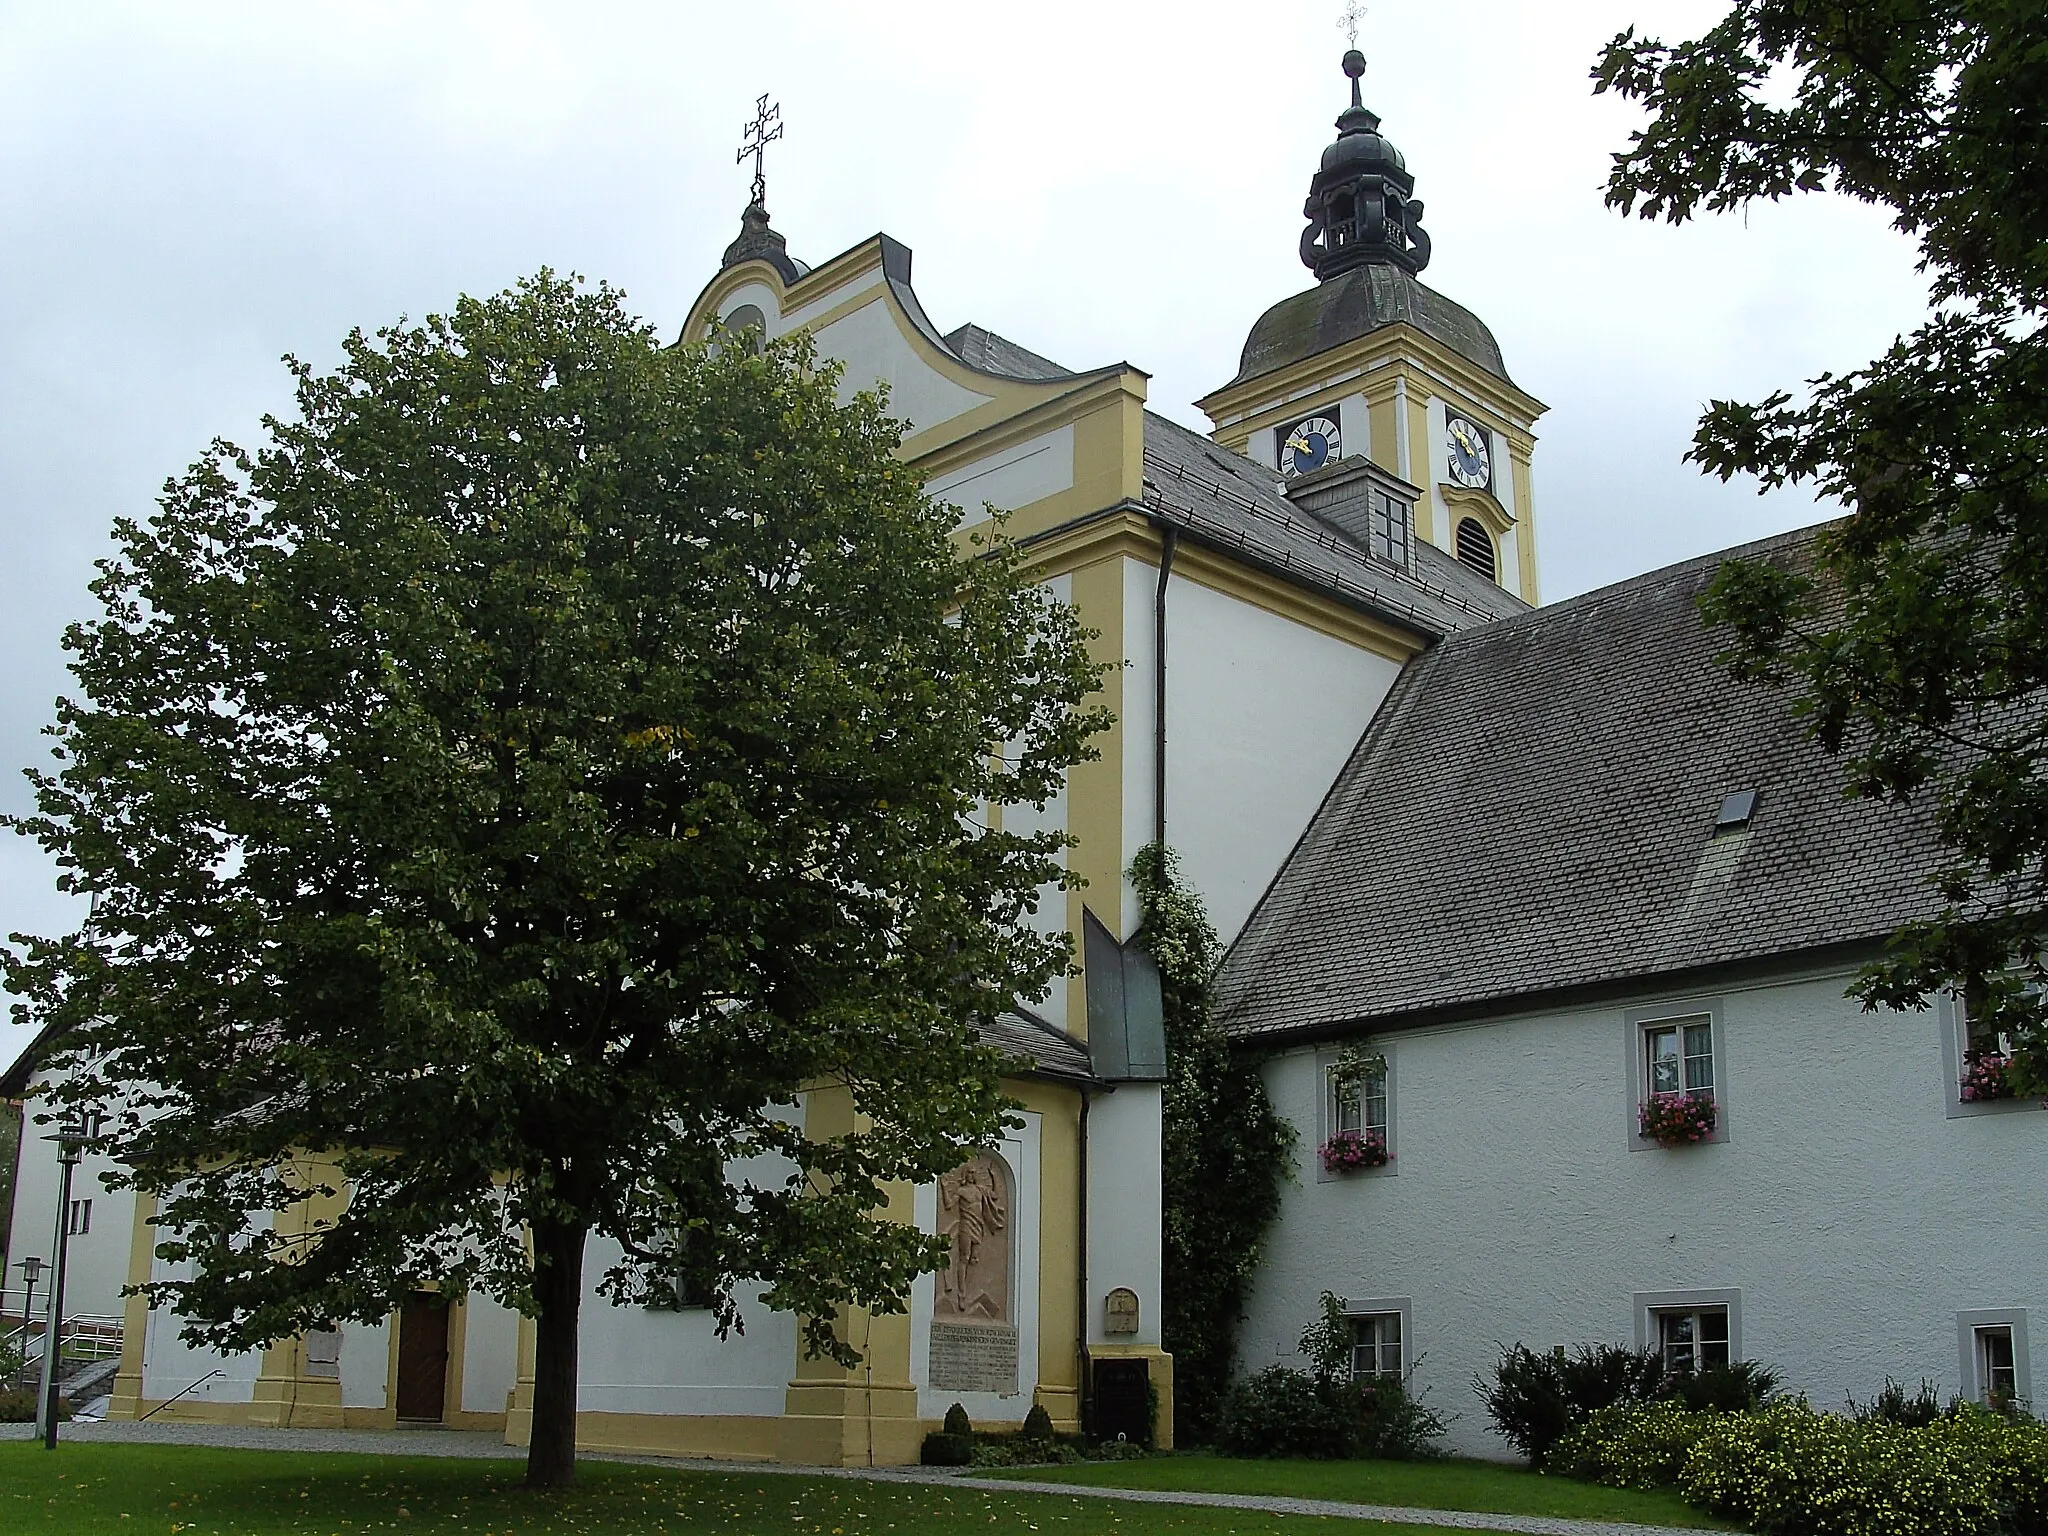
366, 1366
97, 1262
1261, 713
1010, 478
636, 1360
1854, 1218
1020, 1150
872, 345
1051, 916
490, 1355
1124, 1202
170, 1366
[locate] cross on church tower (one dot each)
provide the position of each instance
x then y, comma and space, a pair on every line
1353, 14
755, 137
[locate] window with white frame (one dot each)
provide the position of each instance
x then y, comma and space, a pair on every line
1998, 1375
1357, 1101
1983, 1053
1994, 1357
1692, 1338
1376, 1346
1678, 1056
78, 1221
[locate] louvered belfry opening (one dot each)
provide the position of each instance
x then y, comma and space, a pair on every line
1475, 548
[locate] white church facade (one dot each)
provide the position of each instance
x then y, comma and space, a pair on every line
1337, 588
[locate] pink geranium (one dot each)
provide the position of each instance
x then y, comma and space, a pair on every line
1678, 1119
1984, 1077
1349, 1151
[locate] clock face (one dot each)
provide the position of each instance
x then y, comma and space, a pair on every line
1308, 444
1471, 453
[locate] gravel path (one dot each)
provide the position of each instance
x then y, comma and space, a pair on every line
485, 1446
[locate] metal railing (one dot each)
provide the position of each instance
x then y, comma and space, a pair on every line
82, 1337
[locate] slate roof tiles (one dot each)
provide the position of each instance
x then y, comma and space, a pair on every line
1533, 810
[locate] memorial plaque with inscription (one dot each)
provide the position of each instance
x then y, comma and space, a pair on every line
974, 1357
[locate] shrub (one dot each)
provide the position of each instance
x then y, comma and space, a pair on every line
1282, 1412
18, 1406
1785, 1470
1037, 1424
1630, 1445
952, 1445
1892, 1406
941, 1448
1535, 1399
1736, 1388
1398, 1427
2017, 1454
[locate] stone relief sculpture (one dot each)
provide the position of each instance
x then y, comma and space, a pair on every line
974, 1213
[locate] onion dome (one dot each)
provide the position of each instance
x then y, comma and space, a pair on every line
759, 242
1362, 209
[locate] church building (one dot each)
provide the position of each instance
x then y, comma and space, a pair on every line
1517, 898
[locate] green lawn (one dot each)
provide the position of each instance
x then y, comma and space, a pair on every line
164, 1490
1455, 1484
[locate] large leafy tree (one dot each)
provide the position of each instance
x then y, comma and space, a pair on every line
520, 781
1917, 640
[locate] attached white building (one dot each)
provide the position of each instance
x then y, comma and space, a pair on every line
1569, 845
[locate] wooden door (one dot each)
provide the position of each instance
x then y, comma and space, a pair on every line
423, 1358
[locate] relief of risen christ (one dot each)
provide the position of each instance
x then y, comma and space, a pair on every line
975, 1216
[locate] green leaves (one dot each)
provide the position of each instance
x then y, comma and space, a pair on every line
1225, 1150
518, 781
1917, 645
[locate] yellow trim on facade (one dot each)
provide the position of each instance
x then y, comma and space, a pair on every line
1095, 789
1299, 385
1523, 476
1059, 1245
1467, 501
1129, 533
126, 1399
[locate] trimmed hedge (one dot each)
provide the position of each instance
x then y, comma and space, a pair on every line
1786, 1470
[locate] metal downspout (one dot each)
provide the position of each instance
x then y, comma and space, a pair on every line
1169, 537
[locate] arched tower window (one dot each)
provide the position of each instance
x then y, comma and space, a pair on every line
1475, 548
748, 326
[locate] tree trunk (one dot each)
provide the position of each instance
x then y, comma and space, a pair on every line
558, 1294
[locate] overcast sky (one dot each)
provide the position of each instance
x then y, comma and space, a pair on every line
192, 190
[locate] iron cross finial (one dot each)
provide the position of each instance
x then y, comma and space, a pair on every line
755, 137
1349, 20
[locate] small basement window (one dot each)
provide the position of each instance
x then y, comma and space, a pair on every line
1475, 548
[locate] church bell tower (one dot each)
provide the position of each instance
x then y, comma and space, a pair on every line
1372, 362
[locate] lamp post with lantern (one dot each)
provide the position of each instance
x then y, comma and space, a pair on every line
70, 1139
31, 1272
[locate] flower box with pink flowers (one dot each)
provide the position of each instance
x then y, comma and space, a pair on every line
1350, 1151
1678, 1119
1984, 1078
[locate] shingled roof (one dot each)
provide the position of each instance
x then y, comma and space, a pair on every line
1226, 500
1037, 1047
1533, 812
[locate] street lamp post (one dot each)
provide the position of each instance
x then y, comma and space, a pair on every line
31, 1272
70, 1140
